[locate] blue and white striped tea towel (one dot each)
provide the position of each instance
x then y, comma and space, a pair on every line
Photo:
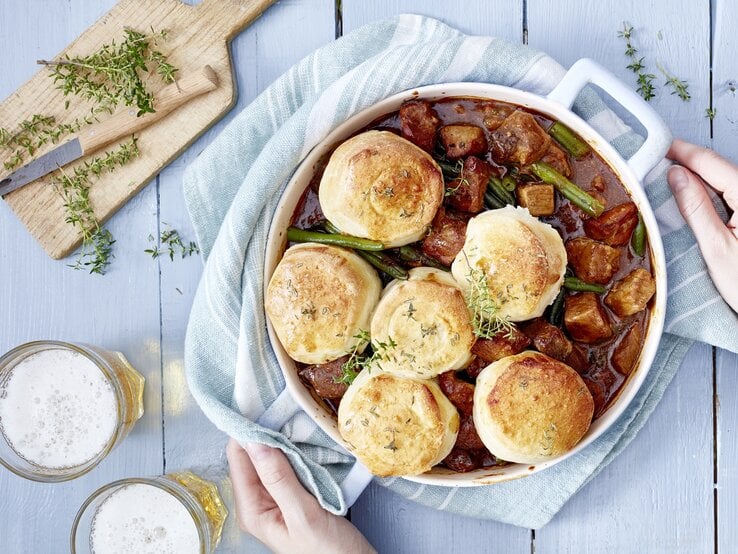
232, 190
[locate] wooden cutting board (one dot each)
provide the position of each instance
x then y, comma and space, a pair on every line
197, 36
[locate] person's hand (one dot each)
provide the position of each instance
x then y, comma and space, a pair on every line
273, 506
718, 241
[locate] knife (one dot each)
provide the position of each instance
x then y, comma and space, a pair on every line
122, 123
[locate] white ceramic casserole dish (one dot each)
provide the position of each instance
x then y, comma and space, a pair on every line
556, 105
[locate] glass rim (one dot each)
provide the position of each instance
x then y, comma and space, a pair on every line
170, 486
66, 474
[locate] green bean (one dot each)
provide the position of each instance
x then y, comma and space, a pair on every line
492, 202
509, 183
495, 185
638, 239
569, 190
384, 263
572, 283
556, 311
412, 255
568, 139
298, 235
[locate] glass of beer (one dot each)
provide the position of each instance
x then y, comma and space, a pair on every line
63, 407
178, 513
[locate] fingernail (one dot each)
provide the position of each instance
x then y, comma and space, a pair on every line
256, 450
678, 178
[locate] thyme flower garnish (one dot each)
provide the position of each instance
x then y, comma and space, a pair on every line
171, 243
74, 188
356, 362
486, 321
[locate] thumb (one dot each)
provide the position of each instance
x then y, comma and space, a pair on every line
697, 209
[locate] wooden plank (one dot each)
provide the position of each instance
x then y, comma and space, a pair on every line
500, 18
198, 35
260, 54
725, 133
42, 298
572, 30
657, 495
391, 523
727, 450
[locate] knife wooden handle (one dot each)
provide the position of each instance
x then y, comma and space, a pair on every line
125, 122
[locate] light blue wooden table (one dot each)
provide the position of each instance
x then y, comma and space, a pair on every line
674, 489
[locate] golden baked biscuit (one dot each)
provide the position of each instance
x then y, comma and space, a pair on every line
530, 408
318, 300
395, 425
520, 260
427, 320
380, 186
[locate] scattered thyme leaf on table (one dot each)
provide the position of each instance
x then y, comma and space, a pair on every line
681, 88
637, 65
171, 243
710, 113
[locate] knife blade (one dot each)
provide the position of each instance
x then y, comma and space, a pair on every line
120, 124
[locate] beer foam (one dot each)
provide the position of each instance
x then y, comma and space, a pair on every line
57, 409
144, 519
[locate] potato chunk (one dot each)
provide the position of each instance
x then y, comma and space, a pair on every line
631, 294
419, 123
538, 198
593, 262
626, 352
585, 319
519, 140
461, 141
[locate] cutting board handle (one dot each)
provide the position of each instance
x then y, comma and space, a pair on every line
238, 13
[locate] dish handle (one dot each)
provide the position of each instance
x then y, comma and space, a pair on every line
658, 138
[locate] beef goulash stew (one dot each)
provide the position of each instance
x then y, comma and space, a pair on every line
466, 284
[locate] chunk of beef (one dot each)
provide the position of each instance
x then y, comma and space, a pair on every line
323, 378
501, 345
585, 319
631, 294
460, 460
446, 237
557, 158
468, 437
468, 189
419, 123
461, 141
578, 358
519, 140
626, 352
494, 113
458, 391
614, 226
476, 366
548, 339
539, 198
593, 262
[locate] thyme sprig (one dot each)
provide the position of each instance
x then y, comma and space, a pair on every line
454, 173
115, 74
356, 362
637, 66
680, 88
171, 243
74, 188
710, 113
486, 320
